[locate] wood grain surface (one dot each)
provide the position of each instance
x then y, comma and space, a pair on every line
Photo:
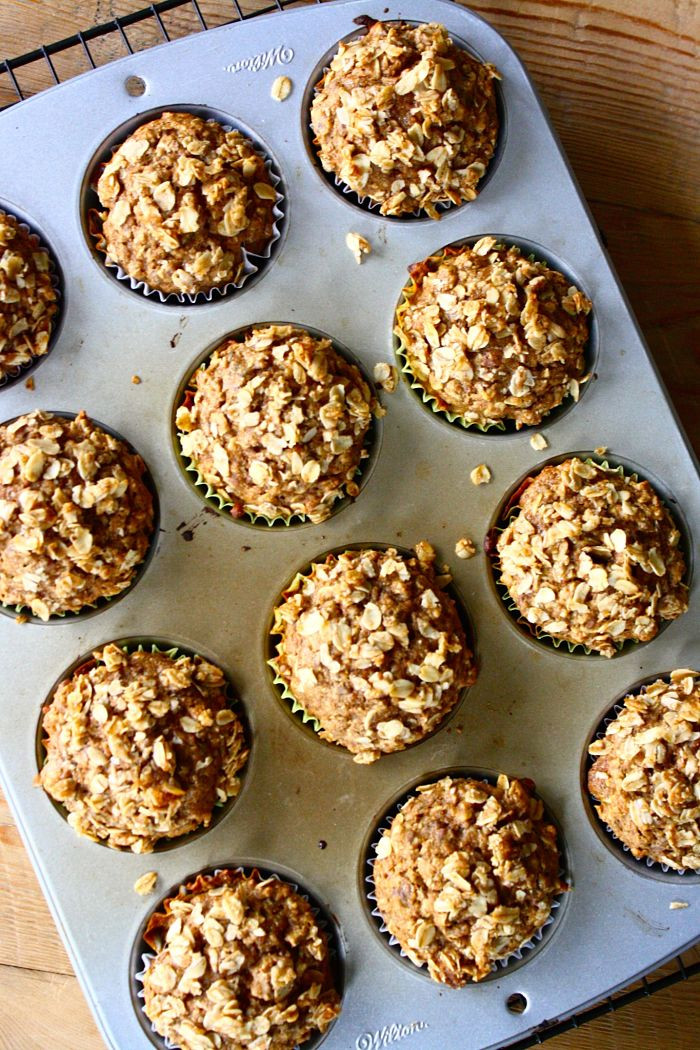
622, 83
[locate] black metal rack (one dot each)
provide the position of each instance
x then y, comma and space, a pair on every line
138, 31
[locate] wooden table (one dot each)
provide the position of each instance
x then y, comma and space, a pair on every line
622, 83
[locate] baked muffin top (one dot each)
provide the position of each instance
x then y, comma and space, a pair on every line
373, 648
27, 297
406, 118
277, 423
141, 746
493, 335
241, 962
646, 773
183, 198
592, 557
76, 519
466, 874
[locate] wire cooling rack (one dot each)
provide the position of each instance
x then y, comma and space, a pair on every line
159, 23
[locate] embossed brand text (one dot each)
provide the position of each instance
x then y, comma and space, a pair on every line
276, 56
388, 1035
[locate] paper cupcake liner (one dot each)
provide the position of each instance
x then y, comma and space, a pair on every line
22, 371
220, 808
431, 401
144, 959
522, 953
644, 865
24, 614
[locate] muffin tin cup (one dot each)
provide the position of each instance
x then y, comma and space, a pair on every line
153, 645
368, 204
644, 866
497, 427
507, 511
23, 371
508, 963
142, 954
219, 500
253, 264
296, 710
23, 613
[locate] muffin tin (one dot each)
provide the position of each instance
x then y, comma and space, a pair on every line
211, 584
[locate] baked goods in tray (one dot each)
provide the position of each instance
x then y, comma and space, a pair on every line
141, 746
405, 118
492, 336
76, 517
241, 961
28, 297
592, 557
467, 874
372, 647
183, 199
646, 775
275, 422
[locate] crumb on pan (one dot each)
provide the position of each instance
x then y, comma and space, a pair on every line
539, 442
146, 883
465, 548
387, 376
480, 475
358, 245
281, 88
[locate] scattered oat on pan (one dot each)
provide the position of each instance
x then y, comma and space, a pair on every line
539, 442
278, 423
76, 518
281, 88
27, 296
141, 747
373, 648
146, 883
646, 774
183, 197
387, 376
480, 475
592, 557
240, 962
465, 548
466, 874
406, 118
493, 335
358, 245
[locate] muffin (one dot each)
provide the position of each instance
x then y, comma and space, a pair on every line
27, 297
466, 874
275, 423
184, 200
241, 962
646, 773
406, 118
141, 746
492, 336
76, 518
372, 647
592, 557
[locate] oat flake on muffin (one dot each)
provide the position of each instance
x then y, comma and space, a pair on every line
277, 423
466, 874
241, 963
76, 519
141, 746
27, 297
492, 335
183, 198
404, 117
646, 773
373, 648
592, 557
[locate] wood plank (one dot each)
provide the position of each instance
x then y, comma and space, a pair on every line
42, 1010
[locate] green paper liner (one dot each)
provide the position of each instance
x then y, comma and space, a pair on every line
511, 509
133, 646
431, 401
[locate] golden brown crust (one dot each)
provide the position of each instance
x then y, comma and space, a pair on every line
493, 335
76, 519
141, 746
466, 874
592, 557
278, 422
241, 964
406, 118
373, 648
646, 773
27, 297
183, 198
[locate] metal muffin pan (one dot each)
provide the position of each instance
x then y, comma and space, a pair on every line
211, 584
